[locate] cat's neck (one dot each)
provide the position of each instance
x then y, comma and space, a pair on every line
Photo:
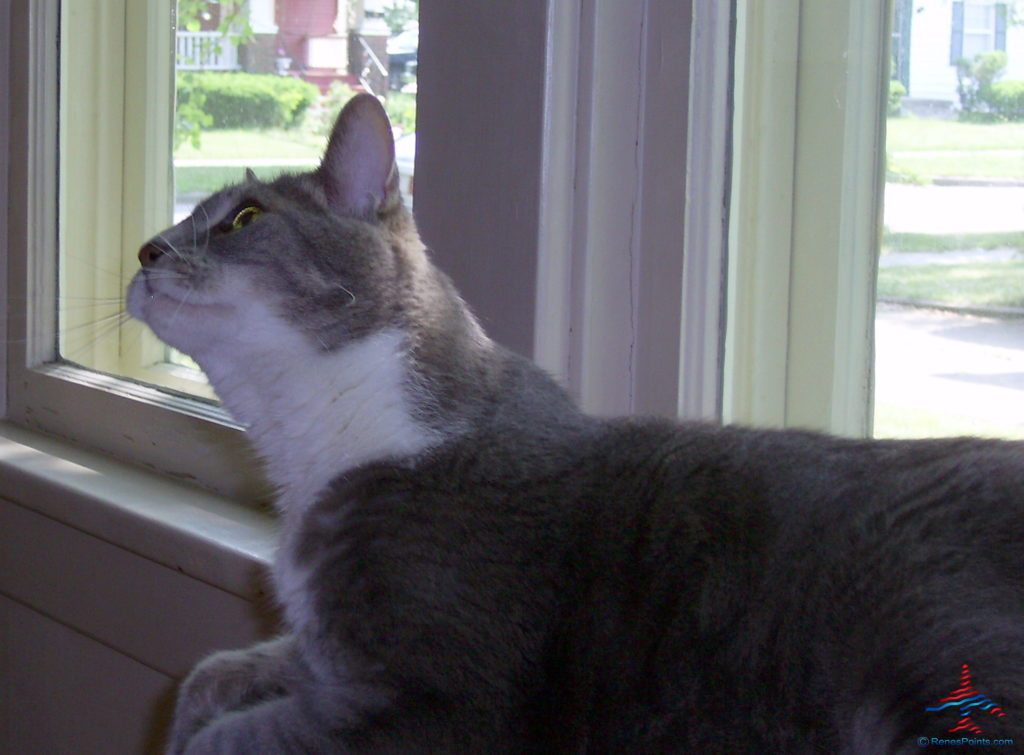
314, 416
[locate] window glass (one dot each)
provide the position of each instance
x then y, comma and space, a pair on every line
979, 28
252, 85
950, 315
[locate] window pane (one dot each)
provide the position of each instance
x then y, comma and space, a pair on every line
979, 17
256, 86
950, 318
976, 43
226, 63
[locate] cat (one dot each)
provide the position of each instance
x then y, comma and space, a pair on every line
470, 564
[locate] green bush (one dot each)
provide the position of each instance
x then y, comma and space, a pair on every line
321, 120
1005, 100
896, 94
975, 78
247, 100
401, 109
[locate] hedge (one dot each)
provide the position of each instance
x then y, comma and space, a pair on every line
248, 100
896, 94
1005, 100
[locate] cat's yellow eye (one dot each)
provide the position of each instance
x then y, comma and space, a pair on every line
245, 216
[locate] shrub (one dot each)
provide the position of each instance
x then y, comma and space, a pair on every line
247, 100
401, 109
321, 120
974, 79
1005, 100
896, 94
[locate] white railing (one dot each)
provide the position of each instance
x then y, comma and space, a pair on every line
206, 51
370, 63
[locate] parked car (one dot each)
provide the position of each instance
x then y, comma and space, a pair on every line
402, 58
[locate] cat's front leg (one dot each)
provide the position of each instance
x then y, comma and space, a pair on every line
230, 681
281, 727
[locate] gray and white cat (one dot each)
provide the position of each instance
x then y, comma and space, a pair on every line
469, 564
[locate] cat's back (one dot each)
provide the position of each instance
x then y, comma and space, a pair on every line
811, 591
808, 590
620, 575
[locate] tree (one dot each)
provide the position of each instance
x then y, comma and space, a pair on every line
189, 116
399, 13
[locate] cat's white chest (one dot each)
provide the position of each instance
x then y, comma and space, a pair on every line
314, 416
344, 410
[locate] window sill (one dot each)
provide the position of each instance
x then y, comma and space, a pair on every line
210, 538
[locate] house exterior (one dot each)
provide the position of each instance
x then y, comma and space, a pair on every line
929, 36
321, 41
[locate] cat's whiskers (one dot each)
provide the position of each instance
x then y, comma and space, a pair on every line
192, 218
100, 328
166, 275
181, 303
170, 248
206, 227
352, 296
91, 265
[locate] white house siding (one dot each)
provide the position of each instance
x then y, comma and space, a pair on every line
932, 77
1015, 53
261, 16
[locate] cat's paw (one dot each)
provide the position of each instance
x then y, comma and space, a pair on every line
229, 681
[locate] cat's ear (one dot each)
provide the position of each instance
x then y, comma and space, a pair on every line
358, 172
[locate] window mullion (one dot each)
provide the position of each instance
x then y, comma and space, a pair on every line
837, 218
806, 211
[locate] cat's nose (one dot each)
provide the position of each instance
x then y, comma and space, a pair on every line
149, 254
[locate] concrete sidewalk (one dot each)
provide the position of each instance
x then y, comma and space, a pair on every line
944, 372
910, 208
965, 257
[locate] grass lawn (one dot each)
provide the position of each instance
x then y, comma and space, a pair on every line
951, 242
893, 421
989, 284
929, 135
240, 144
202, 179
977, 150
963, 165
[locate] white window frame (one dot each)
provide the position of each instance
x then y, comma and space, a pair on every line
592, 237
129, 421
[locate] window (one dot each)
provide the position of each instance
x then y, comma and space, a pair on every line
978, 27
598, 249
112, 175
570, 138
240, 103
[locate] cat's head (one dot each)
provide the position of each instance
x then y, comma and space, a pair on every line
313, 260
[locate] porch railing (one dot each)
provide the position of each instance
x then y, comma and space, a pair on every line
371, 66
206, 51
